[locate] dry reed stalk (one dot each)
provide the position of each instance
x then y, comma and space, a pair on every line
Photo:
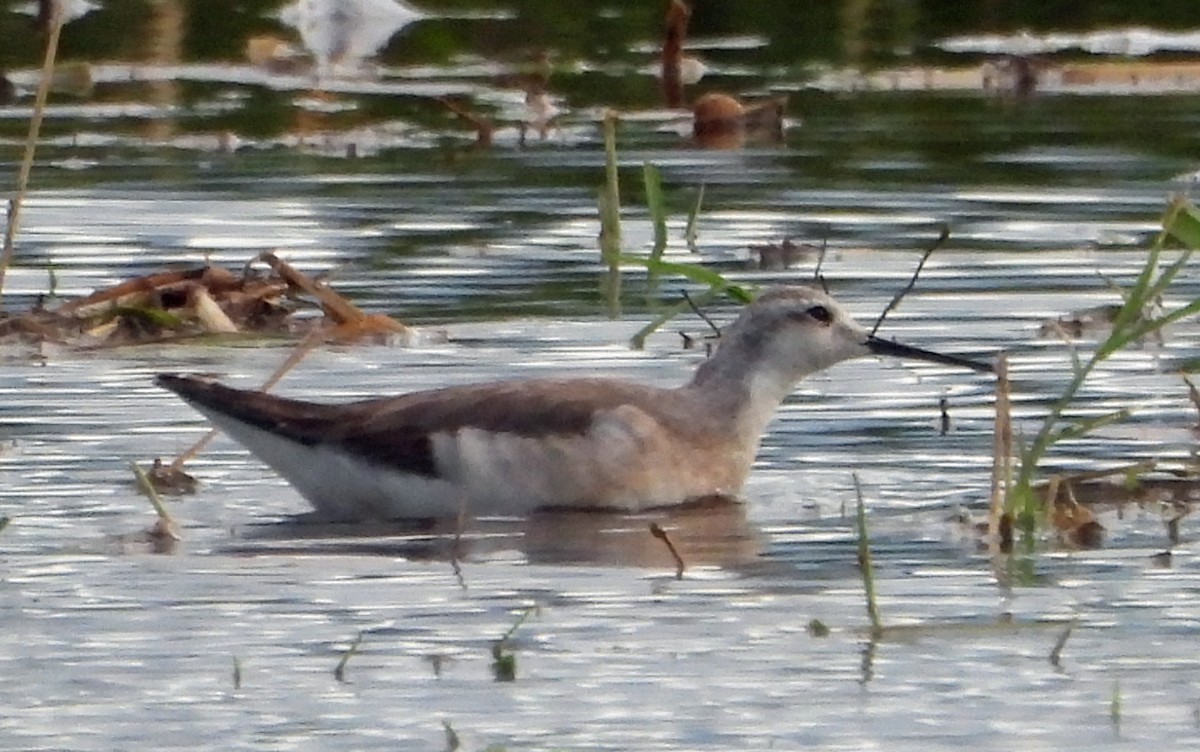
1001, 452
35, 127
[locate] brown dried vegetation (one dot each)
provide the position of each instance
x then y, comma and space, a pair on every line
180, 305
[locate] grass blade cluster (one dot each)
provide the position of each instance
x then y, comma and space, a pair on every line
613, 256
1133, 322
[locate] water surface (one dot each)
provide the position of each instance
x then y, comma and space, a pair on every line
107, 645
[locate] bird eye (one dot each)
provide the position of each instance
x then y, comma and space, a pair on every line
820, 313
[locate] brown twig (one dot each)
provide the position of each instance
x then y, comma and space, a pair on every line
484, 128
657, 531
120, 293
817, 276
1193, 393
703, 316
337, 308
942, 238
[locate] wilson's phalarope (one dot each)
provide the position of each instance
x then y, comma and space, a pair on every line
511, 447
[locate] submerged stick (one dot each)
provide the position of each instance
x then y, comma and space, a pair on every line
1059, 644
657, 531
864, 562
35, 126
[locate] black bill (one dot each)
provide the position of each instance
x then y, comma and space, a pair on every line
895, 349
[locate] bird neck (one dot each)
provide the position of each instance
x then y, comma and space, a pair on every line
741, 387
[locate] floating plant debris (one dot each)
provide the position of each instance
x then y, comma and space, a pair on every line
204, 301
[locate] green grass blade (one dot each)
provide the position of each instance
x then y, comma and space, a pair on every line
652, 180
147, 488
1183, 224
694, 272
1086, 426
866, 567
1152, 325
339, 671
1139, 293
610, 218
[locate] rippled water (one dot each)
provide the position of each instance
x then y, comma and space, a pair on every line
107, 646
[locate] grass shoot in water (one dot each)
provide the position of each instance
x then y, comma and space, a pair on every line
652, 180
610, 217
339, 672
864, 562
1180, 224
504, 661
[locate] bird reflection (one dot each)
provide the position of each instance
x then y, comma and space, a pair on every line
342, 34
714, 532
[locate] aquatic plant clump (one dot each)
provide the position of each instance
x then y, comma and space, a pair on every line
1138, 317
